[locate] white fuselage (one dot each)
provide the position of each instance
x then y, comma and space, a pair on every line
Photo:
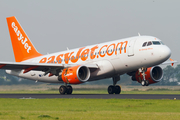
113, 58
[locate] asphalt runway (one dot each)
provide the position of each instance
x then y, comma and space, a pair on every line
96, 96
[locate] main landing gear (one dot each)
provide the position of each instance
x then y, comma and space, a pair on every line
114, 88
144, 82
64, 89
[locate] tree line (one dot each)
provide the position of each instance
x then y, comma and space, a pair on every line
171, 76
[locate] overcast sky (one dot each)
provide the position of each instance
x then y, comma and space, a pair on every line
54, 25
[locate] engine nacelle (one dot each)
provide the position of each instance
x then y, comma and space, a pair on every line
153, 75
75, 75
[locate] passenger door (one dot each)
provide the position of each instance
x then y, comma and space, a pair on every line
131, 47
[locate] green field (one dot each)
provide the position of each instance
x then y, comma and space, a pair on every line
91, 109
96, 109
104, 91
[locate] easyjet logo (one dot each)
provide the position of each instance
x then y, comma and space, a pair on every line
21, 37
85, 53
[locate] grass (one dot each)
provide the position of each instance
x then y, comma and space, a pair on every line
90, 109
94, 91
87, 89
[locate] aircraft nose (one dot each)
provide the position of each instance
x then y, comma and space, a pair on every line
165, 53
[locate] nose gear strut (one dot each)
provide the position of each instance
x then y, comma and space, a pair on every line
144, 82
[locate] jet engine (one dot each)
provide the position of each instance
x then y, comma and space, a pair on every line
75, 75
152, 75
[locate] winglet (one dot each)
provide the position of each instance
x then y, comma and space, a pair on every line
22, 46
171, 60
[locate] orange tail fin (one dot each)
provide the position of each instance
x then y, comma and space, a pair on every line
22, 46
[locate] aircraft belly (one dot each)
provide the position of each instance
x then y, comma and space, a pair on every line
118, 65
105, 69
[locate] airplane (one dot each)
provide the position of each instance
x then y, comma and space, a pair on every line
136, 56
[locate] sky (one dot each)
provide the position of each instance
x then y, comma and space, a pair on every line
54, 25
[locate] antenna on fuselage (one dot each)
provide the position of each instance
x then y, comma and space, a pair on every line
67, 48
139, 34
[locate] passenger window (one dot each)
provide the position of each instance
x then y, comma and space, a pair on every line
149, 43
144, 44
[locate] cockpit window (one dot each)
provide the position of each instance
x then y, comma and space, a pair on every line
161, 42
156, 42
152, 43
149, 43
144, 44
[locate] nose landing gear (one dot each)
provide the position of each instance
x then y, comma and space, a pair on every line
144, 82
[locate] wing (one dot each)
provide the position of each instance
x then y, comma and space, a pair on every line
47, 68
170, 62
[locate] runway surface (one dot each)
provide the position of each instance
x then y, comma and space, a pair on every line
96, 96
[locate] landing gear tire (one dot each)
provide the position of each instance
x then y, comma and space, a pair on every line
65, 89
147, 82
69, 89
114, 89
62, 90
143, 83
111, 89
117, 89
